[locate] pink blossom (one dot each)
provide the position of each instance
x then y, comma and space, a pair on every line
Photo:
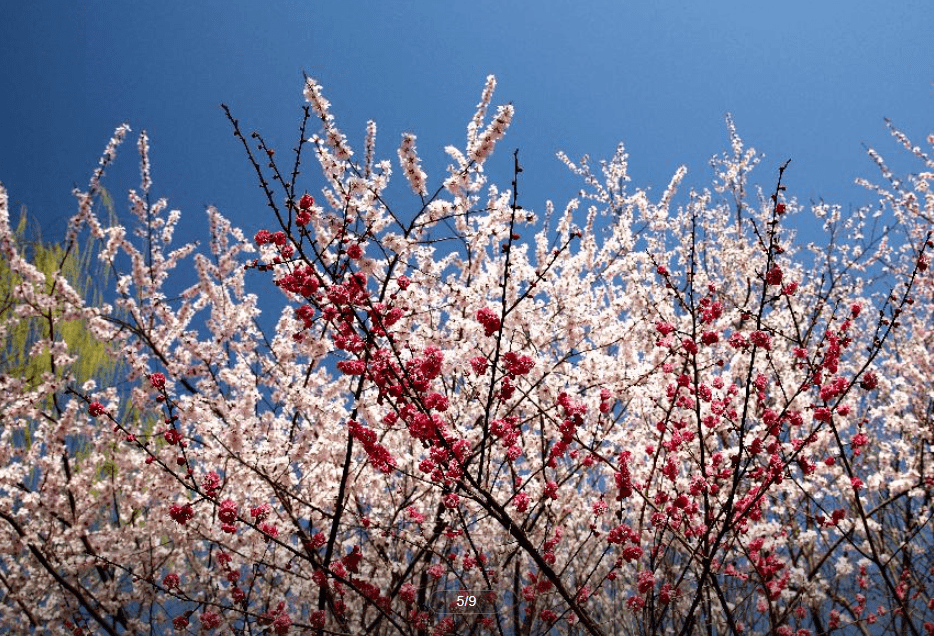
415, 515
665, 412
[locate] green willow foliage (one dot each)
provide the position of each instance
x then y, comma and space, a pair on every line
17, 358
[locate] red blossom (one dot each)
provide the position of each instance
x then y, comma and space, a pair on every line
352, 561
761, 339
354, 251
490, 321
710, 337
646, 581
227, 512
632, 553
869, 381
551, 490
738, 341
181, 514
583, 595
210, 620
521, 501
317, 619
774, 276
517, 364
211, 484
352, 367
664, 328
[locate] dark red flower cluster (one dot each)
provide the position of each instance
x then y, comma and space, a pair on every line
228, 511
761, 339
490, 321
211, 484
379, 456
303, 217
518, 364
623, 478
774, 276
181, 514
710, 310
302, 280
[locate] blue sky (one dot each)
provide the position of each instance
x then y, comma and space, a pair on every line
807, 80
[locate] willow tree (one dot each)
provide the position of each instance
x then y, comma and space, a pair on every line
20, 356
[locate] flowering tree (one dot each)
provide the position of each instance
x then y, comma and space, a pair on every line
665, 420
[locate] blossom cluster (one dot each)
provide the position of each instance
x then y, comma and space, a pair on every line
652, 415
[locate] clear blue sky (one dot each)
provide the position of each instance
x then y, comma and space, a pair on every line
807, 80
